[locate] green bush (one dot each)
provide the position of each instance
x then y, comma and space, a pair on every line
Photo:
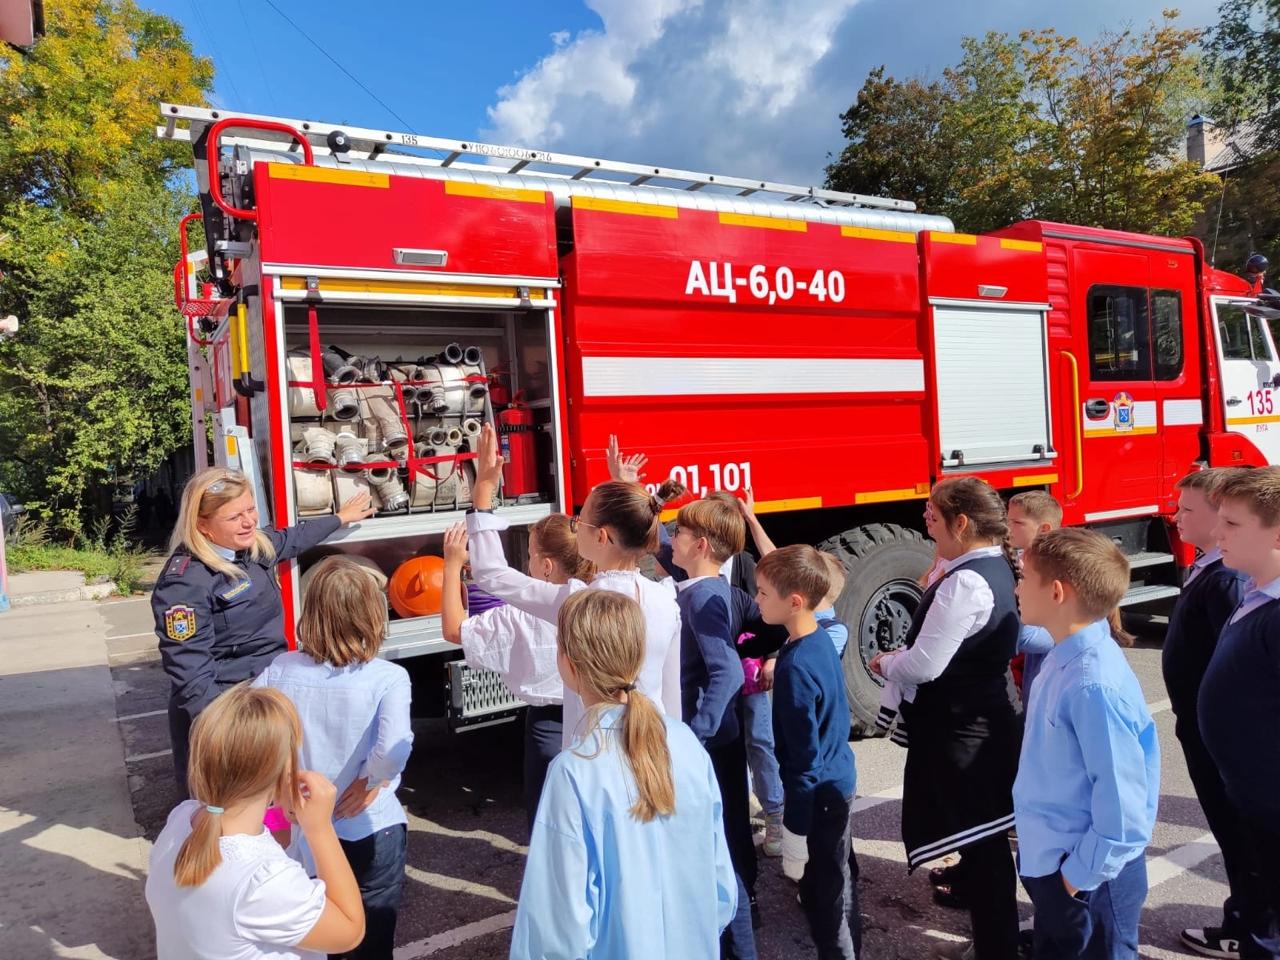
115, 560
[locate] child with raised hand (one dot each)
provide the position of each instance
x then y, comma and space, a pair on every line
1239, 699
811, 728
219, 887
519, 647
628, 857
354, 709
616, 527
1089, 776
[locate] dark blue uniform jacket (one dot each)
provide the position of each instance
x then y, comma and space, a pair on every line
216, 630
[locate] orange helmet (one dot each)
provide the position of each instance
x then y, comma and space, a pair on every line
416, 586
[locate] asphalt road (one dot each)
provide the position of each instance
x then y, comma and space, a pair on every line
467, 830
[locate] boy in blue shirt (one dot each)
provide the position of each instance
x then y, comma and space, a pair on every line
1210, 594
1089, 775
811, 729
1239, 698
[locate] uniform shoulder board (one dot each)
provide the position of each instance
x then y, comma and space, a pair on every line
177, 565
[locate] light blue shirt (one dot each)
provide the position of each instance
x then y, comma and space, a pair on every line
1255, 596
1089, 777
837, 631
355, 723
1035, 643
600, 884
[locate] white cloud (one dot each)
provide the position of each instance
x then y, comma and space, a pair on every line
752, 88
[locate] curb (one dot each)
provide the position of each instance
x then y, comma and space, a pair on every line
91, 591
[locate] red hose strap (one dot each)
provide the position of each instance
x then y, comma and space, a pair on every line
317, 360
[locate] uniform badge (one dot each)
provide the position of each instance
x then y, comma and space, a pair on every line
180, 622
1122, 418
235, 591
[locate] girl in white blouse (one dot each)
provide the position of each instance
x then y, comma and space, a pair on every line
617, 526
220, 887
519, 647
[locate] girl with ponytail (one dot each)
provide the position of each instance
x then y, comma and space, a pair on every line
616, 527
962, 730
628, 856
220, 887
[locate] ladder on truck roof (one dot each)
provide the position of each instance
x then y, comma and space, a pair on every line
371, 145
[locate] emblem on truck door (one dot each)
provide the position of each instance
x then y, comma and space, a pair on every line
1122, 412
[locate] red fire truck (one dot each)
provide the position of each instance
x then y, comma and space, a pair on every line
367, 298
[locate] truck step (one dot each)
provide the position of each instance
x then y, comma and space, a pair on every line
1148, 558
1147, 593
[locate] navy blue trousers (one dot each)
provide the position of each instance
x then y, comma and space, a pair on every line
1099, 924
378, 863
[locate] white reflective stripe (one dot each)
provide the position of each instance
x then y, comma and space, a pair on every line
939, 848
1117, 514
1143, 415
714, 376
1183, 413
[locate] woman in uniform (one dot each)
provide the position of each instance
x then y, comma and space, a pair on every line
217, 604
963, 733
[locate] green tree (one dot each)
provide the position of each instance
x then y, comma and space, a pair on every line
1044, 126
93, 388
1244, 52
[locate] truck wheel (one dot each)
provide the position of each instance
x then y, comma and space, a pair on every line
880, 596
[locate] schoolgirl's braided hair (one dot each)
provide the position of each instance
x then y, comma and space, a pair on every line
979, 502
631, 512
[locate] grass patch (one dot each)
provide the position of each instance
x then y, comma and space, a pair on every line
118, 561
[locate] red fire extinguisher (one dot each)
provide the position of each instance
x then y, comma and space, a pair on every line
515, 433
499, 386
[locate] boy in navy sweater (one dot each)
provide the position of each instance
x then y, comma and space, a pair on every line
1210, 594
1239, 699
708, 532
1089, 773
811, 729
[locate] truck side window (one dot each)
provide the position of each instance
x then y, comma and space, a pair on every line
1119, 338
1261, 349
1234, 331
1166, 333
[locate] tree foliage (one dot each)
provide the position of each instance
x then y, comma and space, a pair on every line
93, 387
1043, 126
1244, 53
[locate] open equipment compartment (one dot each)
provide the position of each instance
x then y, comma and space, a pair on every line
404, 395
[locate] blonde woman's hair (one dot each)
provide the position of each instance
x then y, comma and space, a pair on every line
344, 613
243, 745
203, 496
602, 634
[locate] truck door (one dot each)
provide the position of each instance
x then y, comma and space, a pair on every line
1247, 359
1120, 441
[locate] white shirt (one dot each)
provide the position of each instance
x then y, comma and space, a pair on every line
659, 678
1201, 562
256, 905
355, 723
961, 607
521, 649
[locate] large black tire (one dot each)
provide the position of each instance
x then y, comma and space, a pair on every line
884, 563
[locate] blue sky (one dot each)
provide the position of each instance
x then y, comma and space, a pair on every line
744, 87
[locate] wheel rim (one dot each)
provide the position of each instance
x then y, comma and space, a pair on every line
886, 620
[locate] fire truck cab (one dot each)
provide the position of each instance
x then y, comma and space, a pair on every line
837, 354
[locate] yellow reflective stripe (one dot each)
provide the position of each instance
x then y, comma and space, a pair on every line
886, 496
1031, 246
964, 239
1112, 432
1244, 421
1035, 479
331, 285
464, 188
605, 205
346, 178
765, 223
763, 506
866, 233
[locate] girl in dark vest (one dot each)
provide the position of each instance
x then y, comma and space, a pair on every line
962, 728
